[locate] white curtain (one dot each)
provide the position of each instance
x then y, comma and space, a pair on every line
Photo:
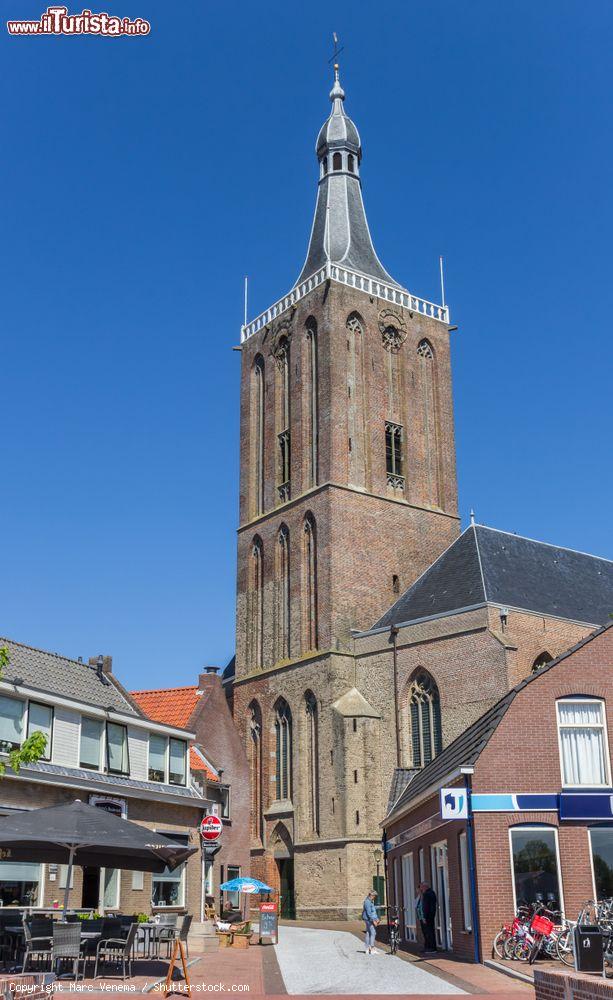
582, 739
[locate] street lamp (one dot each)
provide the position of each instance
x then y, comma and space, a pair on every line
377, 855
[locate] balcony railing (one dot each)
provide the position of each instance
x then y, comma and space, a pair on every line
353, 279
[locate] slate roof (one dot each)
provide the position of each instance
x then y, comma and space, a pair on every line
229, 671
59, 675
174, 707
400, 780
486, 565
112, 780
340, 232
468, 746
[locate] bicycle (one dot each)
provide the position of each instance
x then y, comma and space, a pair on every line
393, 927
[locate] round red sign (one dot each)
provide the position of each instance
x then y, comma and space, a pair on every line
211, 828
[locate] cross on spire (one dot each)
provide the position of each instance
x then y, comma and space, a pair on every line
337, 51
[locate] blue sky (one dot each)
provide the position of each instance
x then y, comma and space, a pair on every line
143, 177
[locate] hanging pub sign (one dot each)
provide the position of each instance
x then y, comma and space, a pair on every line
211, 829
269, 920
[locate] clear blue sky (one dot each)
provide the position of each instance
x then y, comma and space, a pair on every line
143, 177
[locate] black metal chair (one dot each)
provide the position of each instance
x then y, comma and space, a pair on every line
167, 933
66, 946
38, 933
117, 950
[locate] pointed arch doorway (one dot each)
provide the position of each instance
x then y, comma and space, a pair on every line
283, 853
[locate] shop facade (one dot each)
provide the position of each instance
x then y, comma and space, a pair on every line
102, 750
532, 779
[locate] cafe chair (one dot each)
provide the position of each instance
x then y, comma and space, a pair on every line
37, 933
66, 946
168, 931
116, 950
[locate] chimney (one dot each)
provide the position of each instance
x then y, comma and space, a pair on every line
103, 664
206, 678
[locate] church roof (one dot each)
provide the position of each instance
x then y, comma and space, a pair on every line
340, 232
466, 749
485, 565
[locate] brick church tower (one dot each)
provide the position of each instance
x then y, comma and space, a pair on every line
348, 493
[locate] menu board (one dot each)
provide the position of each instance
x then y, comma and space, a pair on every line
269, 920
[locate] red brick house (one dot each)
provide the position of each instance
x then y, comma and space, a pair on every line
537, 769
218, 763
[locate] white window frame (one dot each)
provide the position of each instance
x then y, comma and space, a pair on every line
576, 699
422, 864
102, 746
596, 826
167, 780
24, 716
408, 889
537, 829
41, 704
180, 904
467, 913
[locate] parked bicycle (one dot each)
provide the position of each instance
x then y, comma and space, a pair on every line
393, 927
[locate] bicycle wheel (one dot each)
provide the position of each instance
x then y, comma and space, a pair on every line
498, 947
534, 951
564, 949
521, 951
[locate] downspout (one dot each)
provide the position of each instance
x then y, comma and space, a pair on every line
394, 640
470, 839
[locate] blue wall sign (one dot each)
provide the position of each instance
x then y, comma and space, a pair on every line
586, 805
514, 802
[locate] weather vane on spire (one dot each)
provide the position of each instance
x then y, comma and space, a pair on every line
334, 57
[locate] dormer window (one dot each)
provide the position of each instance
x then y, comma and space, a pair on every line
337, 162
351, 163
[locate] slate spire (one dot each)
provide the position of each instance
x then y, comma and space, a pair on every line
340, 232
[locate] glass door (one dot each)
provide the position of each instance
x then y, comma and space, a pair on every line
408, 890
109, 888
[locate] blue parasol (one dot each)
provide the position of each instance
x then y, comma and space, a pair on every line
249, 885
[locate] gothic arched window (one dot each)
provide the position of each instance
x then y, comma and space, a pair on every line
337, 162
255, 769
312, 400
283, 749
351, 163
355, 400
309, 582
255, 606
312, 748
425, 719
283, 420
282, 596
430, 422
257, 418
541, 661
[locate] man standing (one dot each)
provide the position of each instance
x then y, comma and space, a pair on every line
426, 913
371, 919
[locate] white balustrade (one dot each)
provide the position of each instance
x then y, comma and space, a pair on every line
354, 279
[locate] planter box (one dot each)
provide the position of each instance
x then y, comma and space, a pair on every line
241, 940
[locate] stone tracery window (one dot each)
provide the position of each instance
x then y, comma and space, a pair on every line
312, 400
255, 769
430, 421
425, 719
283, 749
257, 417
283, 421
541, 661
310, 583
282, 596
424, 350
255, 606
312, 747
355, 400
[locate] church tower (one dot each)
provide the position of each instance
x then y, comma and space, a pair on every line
348, 493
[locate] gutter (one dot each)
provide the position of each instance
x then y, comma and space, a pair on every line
127, 791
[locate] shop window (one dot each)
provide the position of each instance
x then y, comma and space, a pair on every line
584, 753
20, 883
601, 844
91, 743
465, 872
12, 713
117, 760
232, 898
168, 888
536, 866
